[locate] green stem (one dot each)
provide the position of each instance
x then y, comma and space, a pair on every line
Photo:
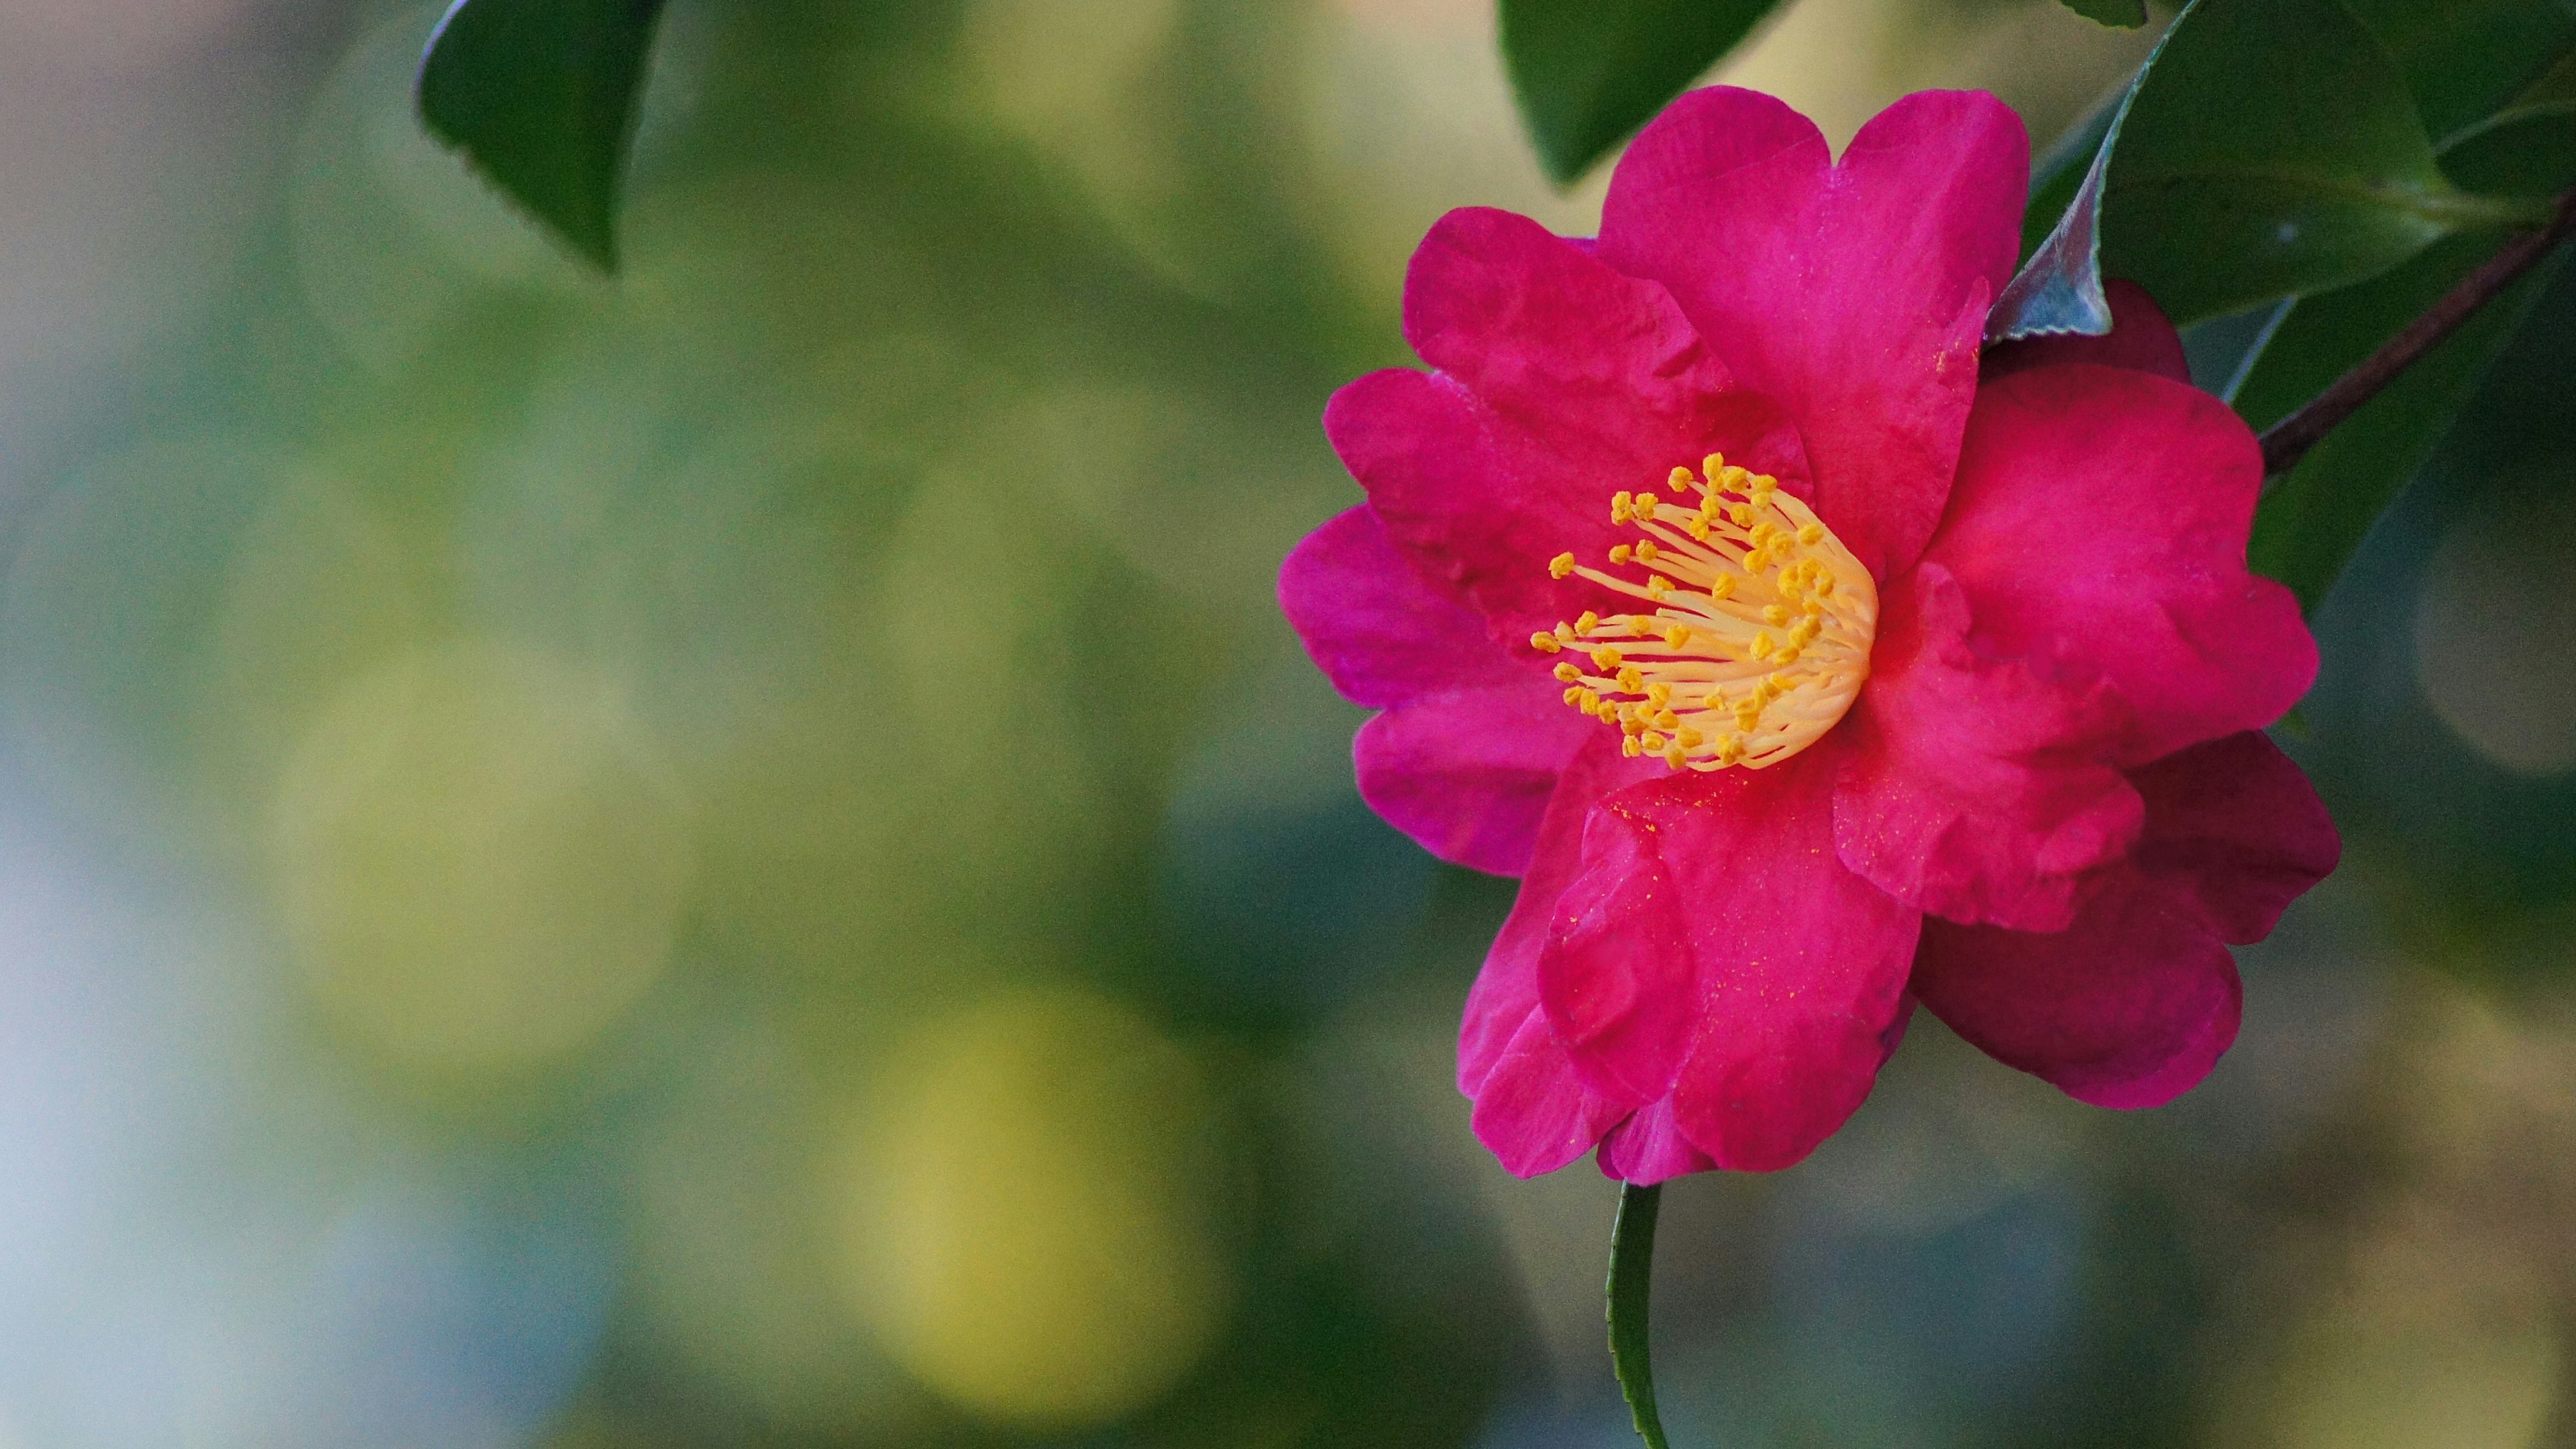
1632, 1272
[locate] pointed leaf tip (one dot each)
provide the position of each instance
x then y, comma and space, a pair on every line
541, 97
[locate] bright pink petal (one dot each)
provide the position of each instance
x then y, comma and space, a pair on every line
1531, 1109
1506, 990
1532, 1112
1855, 295
1379, 631
2235, 826
2128, 1007
2140, 339
1561, 383
1468, 775
1650, 1147
1972, 789
2098, 525
1714, 949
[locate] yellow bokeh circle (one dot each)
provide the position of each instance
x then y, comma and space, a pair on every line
1028, 1210
473, 861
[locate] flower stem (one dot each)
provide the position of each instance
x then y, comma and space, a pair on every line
1632, 1271
2287, 441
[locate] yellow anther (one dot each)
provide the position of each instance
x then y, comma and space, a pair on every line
1619, 552
1765, 483
1590, 703
1773, 686
1741, 515
1586, 622
1714, 465
1647, 551
1631, 679
1631, 749
1677, 636
1644, 507
1687, 737
1545, 643
1566, 673
1639, 626
1824, 584
1762, 646
1651, 742
1659, 695
1698, 528
1679, 479
1574, 695
1564, 632
1630, 723
1723, 588
1561, 565
1812, 534
1666, 720
1619, 505
1786, 656
1657, 586
1815, 608
1605, 659
1773, 614
1737, 478
1730, 749
1758, 560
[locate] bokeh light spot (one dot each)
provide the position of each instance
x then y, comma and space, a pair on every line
474, 861
1029, 1228
2491, 632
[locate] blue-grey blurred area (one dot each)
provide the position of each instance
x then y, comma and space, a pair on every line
740, 856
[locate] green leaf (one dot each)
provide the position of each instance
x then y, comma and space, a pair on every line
2464, 59
2267, 149
2119, 14
2314, 517
540, 95
2528, 147
1590, 72
1632, 1275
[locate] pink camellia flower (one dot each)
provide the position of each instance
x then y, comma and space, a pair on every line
1803, 664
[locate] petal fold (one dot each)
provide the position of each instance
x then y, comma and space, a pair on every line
2098, 525
1973, 789
1853, 295
1713, 950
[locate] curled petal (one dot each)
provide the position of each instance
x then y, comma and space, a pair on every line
2130, 1006
1469, 775
1561, 382
1853, 295
1974, 790
1714, 950
2236, 829
1376, 628
2098, 525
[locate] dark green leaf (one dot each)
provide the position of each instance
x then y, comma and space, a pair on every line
2464, 59
1590, 72
1632, 1275
2315, 516
2527, 148
2124, 14
2267, 149
2273, 150
540, 95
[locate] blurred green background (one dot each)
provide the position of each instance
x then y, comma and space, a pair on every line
741, 857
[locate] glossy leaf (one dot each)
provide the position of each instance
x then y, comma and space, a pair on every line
2465, 59
1588, 73
2267, 149
2527, 148
2314, 517
2120, 14
540, 95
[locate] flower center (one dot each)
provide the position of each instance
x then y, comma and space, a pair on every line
1755, 635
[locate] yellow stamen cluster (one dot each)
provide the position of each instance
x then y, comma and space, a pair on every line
1756, 632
